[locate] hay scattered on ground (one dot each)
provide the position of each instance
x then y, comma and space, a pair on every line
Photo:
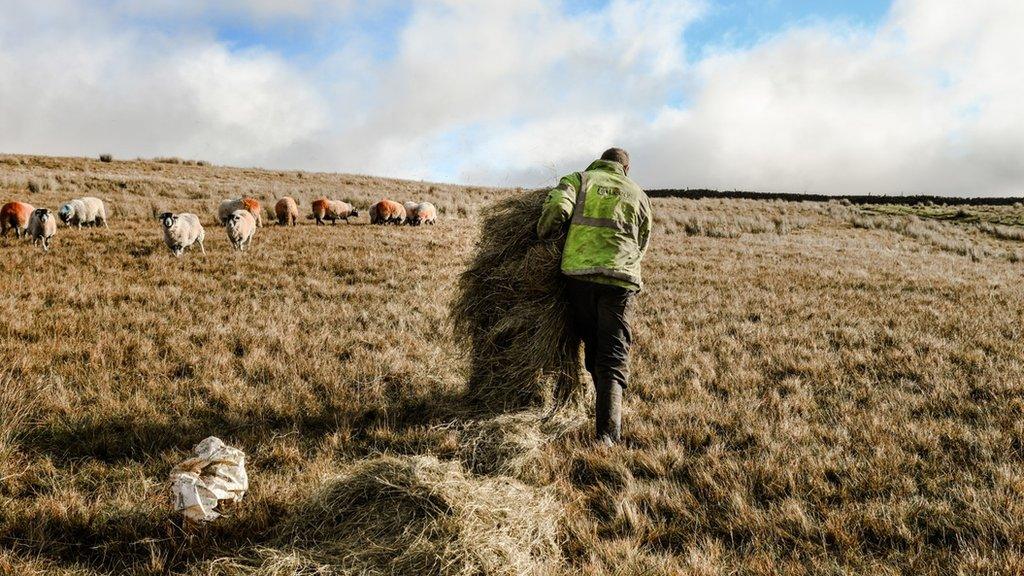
513, 444
511, 310
415, 515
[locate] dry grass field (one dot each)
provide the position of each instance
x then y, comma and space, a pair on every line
817, 389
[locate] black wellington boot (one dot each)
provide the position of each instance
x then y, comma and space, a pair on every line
608, 412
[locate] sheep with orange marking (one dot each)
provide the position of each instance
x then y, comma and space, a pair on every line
254, 208
423, 213
42, 227
333, 210
15, 215
228, 207
287, 211
387, 212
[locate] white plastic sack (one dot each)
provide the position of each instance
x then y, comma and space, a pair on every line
217, 472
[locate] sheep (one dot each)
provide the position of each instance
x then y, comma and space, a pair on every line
287, 211
69, 212
228, 207
409, 207
241, 227
387, 212
85, 211
423, 213
181, 231
15, 215
42, 226
333, 210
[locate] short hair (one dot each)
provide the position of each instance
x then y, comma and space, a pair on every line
616, 155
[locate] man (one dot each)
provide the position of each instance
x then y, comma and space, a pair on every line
609, 223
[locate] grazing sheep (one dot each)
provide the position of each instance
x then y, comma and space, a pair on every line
333, 210
42, 226
409, 207
229, 207
423, 213
85, 211
387, 212
287, 211
181, 231
241, 227
15, 215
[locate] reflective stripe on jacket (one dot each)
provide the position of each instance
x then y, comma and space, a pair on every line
609, 220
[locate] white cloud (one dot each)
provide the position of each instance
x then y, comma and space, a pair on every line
250, 99
494, 83
518, 92
927, 104
86, 85
815, 109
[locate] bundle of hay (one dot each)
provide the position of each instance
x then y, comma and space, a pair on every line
511, 310
415, 515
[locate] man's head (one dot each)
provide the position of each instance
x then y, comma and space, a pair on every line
617, 155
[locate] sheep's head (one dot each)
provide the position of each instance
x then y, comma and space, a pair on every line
66, 212
43, 214
236, 217
168, 219
355, 213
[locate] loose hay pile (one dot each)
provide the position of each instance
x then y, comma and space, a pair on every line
511, 310
513, 444
416, 515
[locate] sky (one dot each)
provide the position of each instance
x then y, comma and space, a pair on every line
834, 97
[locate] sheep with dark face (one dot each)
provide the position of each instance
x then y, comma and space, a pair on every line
241, 227
181, 231
42, 227
85, 211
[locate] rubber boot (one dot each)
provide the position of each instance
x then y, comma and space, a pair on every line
608, 412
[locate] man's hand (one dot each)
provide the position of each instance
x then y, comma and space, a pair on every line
558, 208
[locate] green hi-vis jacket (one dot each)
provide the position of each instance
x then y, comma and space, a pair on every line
609, 220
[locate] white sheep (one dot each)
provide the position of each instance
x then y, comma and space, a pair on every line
85, 211
42, 226
241, 227
181, 231
423, 213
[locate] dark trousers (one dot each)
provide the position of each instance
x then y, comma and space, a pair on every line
598, 314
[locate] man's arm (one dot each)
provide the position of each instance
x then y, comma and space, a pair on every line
645, 227
558, 207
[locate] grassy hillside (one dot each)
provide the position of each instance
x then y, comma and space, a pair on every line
817, 388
